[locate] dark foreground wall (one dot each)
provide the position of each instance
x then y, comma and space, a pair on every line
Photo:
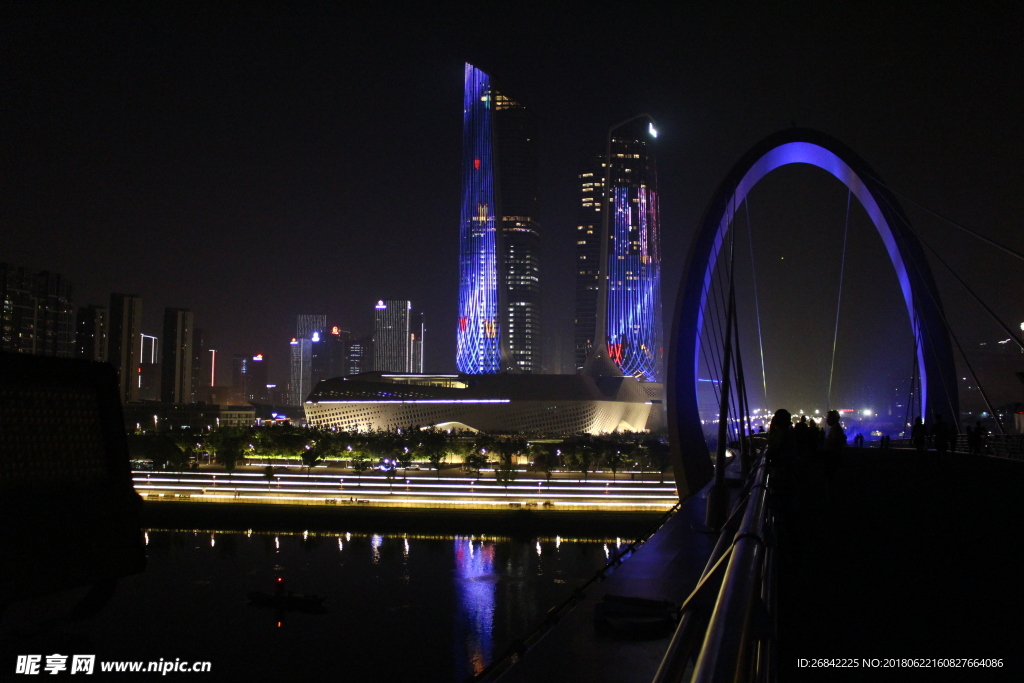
222, 516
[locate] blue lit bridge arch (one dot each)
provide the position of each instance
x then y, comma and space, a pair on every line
935, 361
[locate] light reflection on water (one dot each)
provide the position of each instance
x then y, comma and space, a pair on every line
450, 604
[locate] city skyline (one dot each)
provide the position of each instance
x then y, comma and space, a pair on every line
277, 176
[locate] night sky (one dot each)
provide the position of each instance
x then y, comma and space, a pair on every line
254, 163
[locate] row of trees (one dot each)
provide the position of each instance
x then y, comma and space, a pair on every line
392, 450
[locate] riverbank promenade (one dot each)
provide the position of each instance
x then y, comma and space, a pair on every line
451, 488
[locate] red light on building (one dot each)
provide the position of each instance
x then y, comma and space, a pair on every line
476, 164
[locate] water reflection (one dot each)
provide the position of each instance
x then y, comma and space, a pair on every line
475, 583
453, 601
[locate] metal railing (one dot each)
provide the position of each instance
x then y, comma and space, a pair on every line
738, 642
1009, 446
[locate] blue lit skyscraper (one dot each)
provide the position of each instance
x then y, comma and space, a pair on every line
499, 262
628, 311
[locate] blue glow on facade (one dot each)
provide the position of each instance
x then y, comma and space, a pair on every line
634, 283
478, 333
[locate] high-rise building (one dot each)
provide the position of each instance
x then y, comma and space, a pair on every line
627, 306
91, 330
249, 378
124, 346
499, 243
301, 371
588, 258
417, 329
149, 374
201, 359
359, 358
177, 357
36, 315
330, 354
306, 325
392, 348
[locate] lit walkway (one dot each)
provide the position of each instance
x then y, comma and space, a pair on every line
410, 489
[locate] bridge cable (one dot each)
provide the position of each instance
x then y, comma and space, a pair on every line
711, 316
994, 316
938, 215
835, 334
757, 307
952, 334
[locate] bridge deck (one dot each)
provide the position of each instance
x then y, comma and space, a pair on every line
897, 556
903, 555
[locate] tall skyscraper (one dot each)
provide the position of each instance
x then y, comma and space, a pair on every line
627, 314
124, 348
417, 330
588, 258
36, 315
301, 371
392, 347
177, 357
499, 243
91, 333
360, 356
308, 330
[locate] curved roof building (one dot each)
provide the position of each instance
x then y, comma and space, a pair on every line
538, 404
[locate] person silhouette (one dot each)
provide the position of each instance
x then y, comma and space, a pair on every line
835, 441
918, 435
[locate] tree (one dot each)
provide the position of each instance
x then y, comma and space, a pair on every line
614, 458
360, 463
507, 449
579, 455
434, 447
544, 458
312, 455
659, 454
228, 445
475, 461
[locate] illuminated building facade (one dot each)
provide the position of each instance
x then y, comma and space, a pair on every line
392, 347
499, 242
359, 356
301, 371
560, 405
627, 304
36, 315
177, 356
588, 259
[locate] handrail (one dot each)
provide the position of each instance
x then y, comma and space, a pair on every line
730, 649
673, 663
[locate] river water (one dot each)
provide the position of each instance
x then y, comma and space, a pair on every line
399, 607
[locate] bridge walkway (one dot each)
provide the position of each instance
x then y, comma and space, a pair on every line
902, 555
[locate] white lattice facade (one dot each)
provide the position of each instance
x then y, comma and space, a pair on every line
511, 403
